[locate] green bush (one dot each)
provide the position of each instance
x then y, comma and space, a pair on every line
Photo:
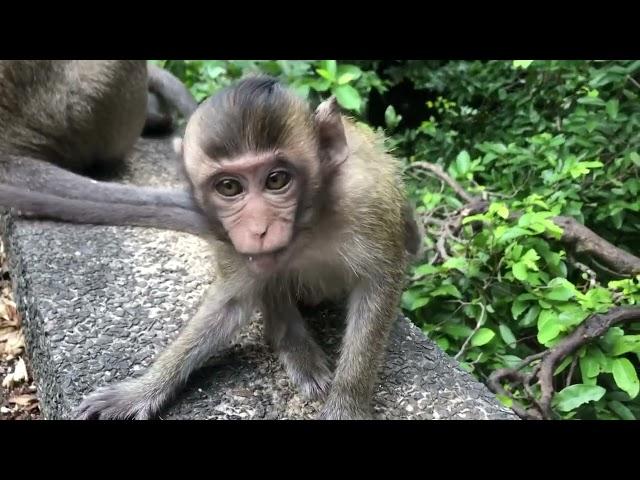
532, 140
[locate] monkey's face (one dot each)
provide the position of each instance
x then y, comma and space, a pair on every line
257, 159
255, 198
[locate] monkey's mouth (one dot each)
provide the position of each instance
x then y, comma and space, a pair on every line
265, 262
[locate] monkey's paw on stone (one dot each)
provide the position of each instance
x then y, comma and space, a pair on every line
334, 410
309, 371
117, 402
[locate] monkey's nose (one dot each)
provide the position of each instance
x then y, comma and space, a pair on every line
259, 231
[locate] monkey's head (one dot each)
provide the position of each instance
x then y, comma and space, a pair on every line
258, 160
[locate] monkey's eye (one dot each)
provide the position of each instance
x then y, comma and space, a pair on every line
228, 187
278, 180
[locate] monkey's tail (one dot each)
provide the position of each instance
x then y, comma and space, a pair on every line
35, 205
169, 87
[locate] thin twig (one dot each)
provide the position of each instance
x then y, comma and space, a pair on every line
479, 324
574, 362
440, 173
633, 80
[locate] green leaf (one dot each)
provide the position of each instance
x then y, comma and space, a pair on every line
563, 365
419, 302
325, 74
506, 401
345, 78
331, 67
530, 317
589, 367
625, 376
621, 410
500, 209
347, 73
612, 108
573, 396
519, 270
560, 289
548, 332
511, 233
517, 307
457, 330
548, 327
463, 162
524, 64
347, 96
510, 361
482, 337
507, 335
591, 101
391, 119
446, 290
572, 315
320, 84
546, 316
625, 344
530, 258
425, 269
458, 263
443, 343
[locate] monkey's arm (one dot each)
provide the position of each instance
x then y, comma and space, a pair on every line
210, 330
371, 312
166, 85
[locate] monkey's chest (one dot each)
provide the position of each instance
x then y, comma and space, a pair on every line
319, 282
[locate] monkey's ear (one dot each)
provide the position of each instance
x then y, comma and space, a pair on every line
331, 137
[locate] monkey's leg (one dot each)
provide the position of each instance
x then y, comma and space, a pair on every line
304, 361
372, 310
43, 177
208, 332
172, 90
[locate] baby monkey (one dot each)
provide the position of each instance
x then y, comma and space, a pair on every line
304, 206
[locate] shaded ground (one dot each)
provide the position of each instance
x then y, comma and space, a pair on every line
17, 391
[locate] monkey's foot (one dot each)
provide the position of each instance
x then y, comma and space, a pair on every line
308, 370
335, 409
122, 401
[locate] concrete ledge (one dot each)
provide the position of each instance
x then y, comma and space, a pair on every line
99, 303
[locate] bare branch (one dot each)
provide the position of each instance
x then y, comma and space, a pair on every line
592, 328
633, 80
585, 240
442, 175
580, 237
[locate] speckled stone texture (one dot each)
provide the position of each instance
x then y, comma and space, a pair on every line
99, 303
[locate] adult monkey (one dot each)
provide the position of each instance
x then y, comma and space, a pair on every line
62, 120
305, 206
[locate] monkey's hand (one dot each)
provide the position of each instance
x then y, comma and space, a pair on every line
127, 400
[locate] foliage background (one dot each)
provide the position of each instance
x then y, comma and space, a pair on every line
541, 138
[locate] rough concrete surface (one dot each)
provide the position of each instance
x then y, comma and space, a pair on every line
99, 303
